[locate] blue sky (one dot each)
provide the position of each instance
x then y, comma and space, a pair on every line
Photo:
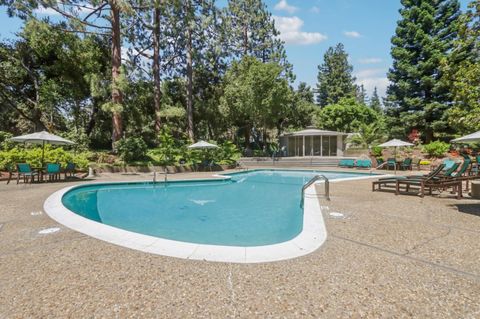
365, 27
309, 27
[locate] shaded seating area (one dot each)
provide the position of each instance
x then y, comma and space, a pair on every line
25, 170
51, 172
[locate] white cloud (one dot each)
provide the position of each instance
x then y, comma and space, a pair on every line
46, 11
370, 60
315, 9
283, 5
371, 78
352, 34
290, 29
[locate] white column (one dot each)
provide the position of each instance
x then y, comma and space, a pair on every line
339, 145
303, 145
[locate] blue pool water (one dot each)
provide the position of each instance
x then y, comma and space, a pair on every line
254, 208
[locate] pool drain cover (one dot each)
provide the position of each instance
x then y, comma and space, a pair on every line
49, 230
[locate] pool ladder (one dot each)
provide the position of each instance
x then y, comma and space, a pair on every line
313, 180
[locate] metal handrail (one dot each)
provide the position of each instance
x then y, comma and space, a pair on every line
313, 180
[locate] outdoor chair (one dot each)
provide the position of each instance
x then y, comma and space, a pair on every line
25, 170
70, 170
391, 163
52, 171
363, 163
347, 163
406, 164
391, 182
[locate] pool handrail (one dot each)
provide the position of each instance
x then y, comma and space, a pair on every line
313, 180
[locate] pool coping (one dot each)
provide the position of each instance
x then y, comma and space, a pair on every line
312, 236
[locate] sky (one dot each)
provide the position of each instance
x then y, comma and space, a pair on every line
310, 27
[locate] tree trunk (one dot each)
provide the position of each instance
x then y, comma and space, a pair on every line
157, 97
117, 98
189, 76
245, 39
247, 137
93, 118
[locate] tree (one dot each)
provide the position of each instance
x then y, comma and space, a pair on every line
361, 94
96, 17
368, 134
255, 96
461, 72
48, 77
346, 116
305, 93
253, 33
335, 80
423, 37
375, 103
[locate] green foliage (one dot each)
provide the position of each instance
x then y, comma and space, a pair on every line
255, 94
436, 148
417, 98
348, 116
375, 103
377, 151
167, 152
227, 153
33, 156
367, 134
131, 149
335, 80
5, 143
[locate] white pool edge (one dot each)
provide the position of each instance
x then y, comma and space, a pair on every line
313, 234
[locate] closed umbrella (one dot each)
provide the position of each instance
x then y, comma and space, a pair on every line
42, 138
474, 137
395, 143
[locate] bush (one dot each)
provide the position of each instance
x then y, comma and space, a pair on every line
5, 142
436, 149
227, 153
33, 156
131, 149
377, 151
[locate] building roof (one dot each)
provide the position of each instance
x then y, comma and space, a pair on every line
314, 132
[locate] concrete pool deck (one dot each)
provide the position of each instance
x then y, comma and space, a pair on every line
389, 256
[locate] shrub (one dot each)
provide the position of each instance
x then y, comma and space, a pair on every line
5, 142
377, 151
131, 149
33, 156
227, 153
436, 149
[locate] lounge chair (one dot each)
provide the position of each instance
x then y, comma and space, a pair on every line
52, 170
347, 163
363, 163
406, 164
391, 181
449, 178
25, 170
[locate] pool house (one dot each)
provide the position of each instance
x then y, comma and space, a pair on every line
313, 142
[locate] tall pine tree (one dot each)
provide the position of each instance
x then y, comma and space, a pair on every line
423, 37
335, 80
375, 103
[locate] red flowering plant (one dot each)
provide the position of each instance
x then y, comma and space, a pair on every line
414, 136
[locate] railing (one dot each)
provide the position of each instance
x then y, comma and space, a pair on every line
313, 180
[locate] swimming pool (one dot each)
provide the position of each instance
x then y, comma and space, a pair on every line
258, 208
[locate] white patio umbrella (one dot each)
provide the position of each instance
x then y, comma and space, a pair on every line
202, 145
395, 143
474, 137
42, 138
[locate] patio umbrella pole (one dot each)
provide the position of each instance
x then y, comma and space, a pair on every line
43, 153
